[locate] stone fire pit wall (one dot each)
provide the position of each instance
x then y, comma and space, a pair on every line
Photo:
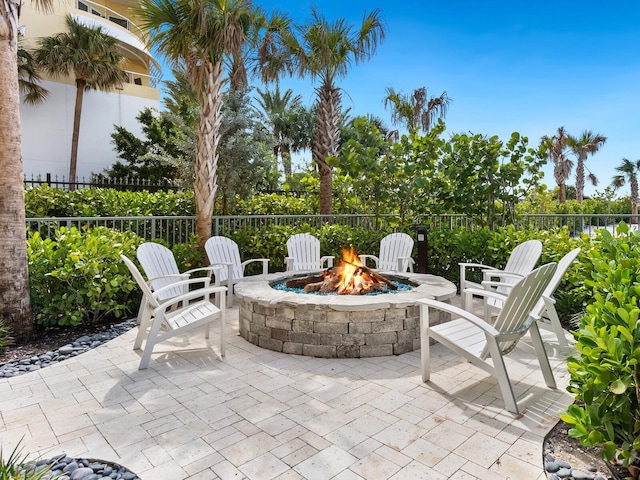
343, 326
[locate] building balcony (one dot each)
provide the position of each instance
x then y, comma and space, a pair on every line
128, 34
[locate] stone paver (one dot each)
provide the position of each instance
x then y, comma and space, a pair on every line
259, 414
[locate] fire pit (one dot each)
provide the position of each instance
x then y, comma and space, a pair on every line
336, 326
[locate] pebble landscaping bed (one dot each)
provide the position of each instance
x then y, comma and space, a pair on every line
81, 345
63, 467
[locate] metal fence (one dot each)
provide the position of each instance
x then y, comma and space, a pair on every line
178, 229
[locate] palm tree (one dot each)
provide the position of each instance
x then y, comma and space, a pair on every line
28, 77
15, 306
416, 111
203, 35
285, 113
557, 151
586, 144
629, 172
87, 54
325, 51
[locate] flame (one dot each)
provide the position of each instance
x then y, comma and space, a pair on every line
351, 278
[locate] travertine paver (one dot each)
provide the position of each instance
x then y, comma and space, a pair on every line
260, 414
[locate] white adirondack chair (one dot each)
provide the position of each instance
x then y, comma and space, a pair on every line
179, 314
484, 344
521, 261
303, 253
395, 254
224, 252
545, 308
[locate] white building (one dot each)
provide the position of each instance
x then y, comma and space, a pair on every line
47, 128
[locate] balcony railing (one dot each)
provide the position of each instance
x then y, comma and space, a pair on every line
111, 15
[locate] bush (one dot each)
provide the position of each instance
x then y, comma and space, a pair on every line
45, 201
78, 277
605, 378
275, 204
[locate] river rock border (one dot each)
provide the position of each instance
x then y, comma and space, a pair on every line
330, 326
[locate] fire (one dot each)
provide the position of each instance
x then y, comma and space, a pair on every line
351, 278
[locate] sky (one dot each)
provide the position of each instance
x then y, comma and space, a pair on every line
529, 67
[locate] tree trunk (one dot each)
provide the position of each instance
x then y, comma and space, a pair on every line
562, 193
205, 184
285, 153
634, 199
580, 180
73, 163
326, 142
15, 306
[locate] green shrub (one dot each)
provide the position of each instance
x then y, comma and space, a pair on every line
78, 277
275, 204
46, 201
605, 378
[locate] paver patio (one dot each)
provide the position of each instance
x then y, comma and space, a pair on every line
259, 414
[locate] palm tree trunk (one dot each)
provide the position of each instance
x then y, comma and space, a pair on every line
285, 153
580, 180
634, 199
73, 163
205, 184
562, 193
15, 306
326, 142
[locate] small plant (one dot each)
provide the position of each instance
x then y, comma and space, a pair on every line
5, 336
16, 467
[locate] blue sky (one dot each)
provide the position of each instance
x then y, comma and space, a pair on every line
511, 66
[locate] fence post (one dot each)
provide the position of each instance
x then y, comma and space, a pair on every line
153, 227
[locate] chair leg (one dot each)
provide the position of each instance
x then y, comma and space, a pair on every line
541, 353
223, 325
424, 343
500, 372
143, 325
152, 339
555, 322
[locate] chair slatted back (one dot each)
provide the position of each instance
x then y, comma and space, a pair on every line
146, 291
515, 316
224, 250
304, 248
392, 247
563, 265
157, 261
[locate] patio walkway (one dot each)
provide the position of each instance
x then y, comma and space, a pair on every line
260, 415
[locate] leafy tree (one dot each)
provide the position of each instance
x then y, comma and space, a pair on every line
416, 110
160, 157
245, 146
629, 172
586, 144
200, 35
290, 122
15, 306
89, 55
29, 78
325, 51
179, 98
556, 148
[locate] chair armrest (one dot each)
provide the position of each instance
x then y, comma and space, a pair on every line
405, 263
211, 268
204, 280
288, 263
363, 260
487, 274
183, 276
476, 265
265, 264
327, 258
486, 293
184, 299
468, 316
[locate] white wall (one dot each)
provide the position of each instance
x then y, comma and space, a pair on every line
47, 129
